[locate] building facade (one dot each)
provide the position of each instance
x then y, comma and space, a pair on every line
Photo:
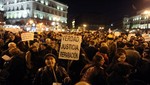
139, 21
1, 14
47, 12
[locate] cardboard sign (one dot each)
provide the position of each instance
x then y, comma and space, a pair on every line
117, 34
27, 36
70, 47
146, 37
6, 57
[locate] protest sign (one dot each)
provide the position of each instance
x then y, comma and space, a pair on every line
117, 34
27, 36
70, 47
13, 30
146, 37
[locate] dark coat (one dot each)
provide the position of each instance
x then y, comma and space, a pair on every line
17, 71
132, 56
91, 51
45, 76
95, 76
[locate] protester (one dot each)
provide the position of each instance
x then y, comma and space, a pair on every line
120, 74
97, 46
51, 73
16, 67
119, 57
95, 74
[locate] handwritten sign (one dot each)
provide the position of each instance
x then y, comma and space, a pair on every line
70, 47
146, 37
27, 36
117, 34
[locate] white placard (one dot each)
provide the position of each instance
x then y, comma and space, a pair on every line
70, 47
146, 37
117, 34
6, 57
27, 36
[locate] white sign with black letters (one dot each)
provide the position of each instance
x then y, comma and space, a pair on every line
27, 36
70, 47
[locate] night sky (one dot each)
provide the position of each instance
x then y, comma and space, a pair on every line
102, 11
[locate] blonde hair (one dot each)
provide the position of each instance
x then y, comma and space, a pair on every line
12, 45
82, 83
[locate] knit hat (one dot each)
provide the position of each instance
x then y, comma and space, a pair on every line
50, 55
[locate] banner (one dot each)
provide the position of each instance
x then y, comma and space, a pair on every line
27, 36
70, 47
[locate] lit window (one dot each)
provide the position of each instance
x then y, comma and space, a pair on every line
54, 18
61, 9
11, 16
42, 1
58, 7
65, 21
15, 15
50, 18
46, 3
41, 16
19, 15
15, 1
8, 16
7, 2
35, 16
25, 14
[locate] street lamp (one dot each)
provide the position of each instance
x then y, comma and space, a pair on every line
84, 26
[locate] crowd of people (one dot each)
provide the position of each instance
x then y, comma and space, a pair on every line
105, 59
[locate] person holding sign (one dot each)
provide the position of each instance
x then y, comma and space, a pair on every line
51, 74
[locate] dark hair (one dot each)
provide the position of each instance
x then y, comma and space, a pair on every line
120, 44
129, 44
119, 52
97, 59
122, 68
103, 49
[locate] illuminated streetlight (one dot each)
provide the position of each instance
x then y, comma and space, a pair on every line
147, 12
84, 25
